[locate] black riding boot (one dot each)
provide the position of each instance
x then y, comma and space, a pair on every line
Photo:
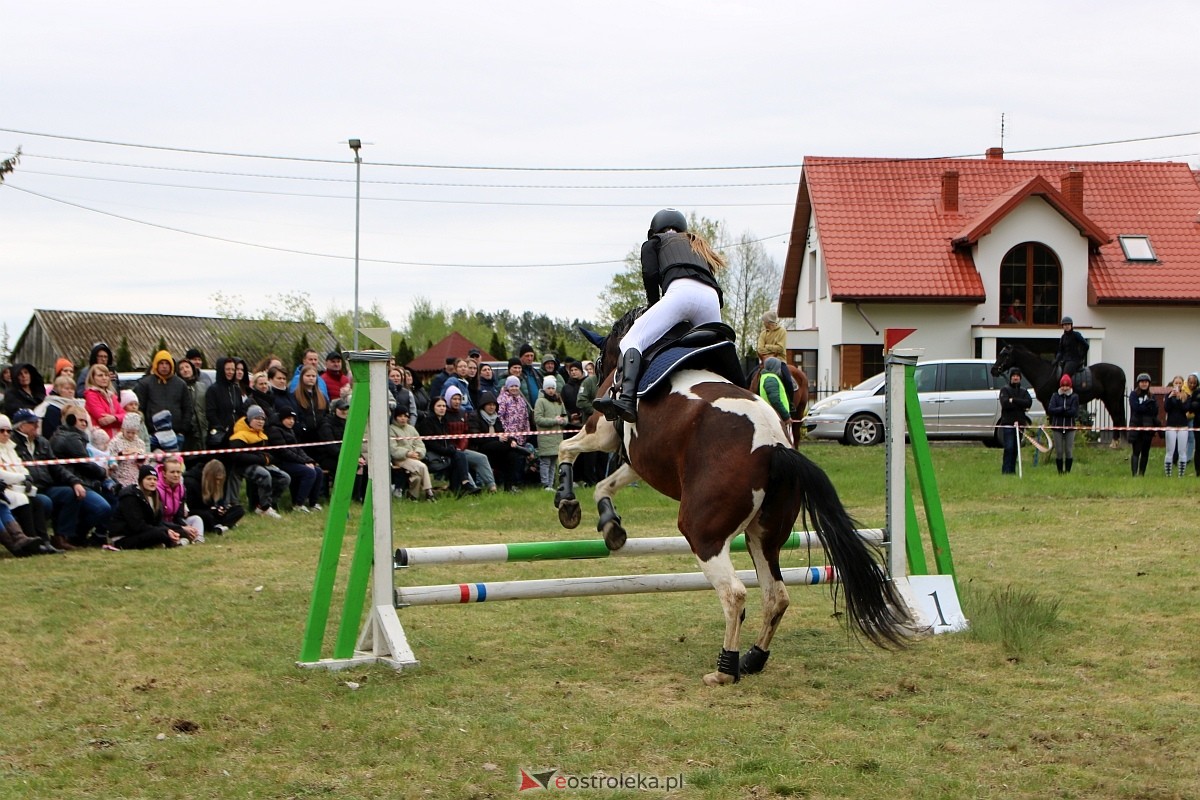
1070, 461
1058, 462
624, 405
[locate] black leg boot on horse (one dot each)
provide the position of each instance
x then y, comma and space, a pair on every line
569, 513
624, 403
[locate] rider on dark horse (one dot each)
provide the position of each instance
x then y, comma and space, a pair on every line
1072, 349
679, 271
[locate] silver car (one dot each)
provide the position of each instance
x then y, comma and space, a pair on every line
960, 399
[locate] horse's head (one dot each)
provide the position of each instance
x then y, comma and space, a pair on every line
1004, 360
610, 346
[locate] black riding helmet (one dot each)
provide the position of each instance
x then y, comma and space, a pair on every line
667, 219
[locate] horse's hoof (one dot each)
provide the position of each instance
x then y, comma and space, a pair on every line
717, 679
754, 660
614, 536
569, 514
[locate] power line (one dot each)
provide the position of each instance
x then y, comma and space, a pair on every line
480, 167
373, 199
406, 183
334, 255
385, 164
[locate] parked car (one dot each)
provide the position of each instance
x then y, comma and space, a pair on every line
960, 399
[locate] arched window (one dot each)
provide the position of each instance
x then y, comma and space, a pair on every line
1030, 286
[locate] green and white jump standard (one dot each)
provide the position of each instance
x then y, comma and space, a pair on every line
932, 599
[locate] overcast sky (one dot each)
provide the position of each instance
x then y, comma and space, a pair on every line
651, 84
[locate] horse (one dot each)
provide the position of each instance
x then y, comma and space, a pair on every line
720, 451
799, 397
1107, 381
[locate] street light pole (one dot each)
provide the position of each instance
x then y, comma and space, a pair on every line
356, 145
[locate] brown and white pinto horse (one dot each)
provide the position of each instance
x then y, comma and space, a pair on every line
720, 451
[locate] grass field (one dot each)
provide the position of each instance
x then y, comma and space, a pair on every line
170, 673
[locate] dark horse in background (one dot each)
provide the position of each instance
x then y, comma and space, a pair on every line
1107, 381
721, 452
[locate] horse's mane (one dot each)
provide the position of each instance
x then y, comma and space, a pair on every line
618, 330
622, 326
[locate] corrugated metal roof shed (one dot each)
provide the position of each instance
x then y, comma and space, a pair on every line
71, 334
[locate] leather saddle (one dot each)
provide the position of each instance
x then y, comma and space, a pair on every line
710, 347
1080, 381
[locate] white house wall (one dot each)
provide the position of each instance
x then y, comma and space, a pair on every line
1169, 327
1035, 220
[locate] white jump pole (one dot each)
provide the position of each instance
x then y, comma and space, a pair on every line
460, 593
585, 549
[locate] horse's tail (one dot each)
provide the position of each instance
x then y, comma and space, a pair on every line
871, 599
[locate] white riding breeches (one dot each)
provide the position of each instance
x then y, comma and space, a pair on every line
684, 299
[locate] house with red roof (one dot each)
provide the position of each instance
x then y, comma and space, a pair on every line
453, 345
974, 253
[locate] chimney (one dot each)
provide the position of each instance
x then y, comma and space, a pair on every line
1072, 189
994, 154
950, 190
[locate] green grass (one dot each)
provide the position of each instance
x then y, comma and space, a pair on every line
170, 674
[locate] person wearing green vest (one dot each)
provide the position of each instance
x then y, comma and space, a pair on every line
773, 389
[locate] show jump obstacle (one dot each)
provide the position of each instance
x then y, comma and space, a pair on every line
380, 638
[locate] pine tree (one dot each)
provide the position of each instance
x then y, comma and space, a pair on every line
404, 352
300, 348
124, 358
497, 348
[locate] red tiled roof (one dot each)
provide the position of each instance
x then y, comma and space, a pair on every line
1005, 203
886, 236
455, 345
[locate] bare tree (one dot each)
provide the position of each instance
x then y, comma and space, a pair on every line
751, 286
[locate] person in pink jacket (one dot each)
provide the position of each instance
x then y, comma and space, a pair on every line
102, 400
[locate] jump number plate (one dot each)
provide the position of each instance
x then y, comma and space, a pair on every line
934, 598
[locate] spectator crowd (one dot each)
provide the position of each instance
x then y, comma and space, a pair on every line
168, 461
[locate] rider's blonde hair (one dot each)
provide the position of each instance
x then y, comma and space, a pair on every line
702, 248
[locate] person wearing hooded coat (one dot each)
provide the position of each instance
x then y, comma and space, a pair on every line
222, 403
197, 431
506, 459
138, 522
101, 353
27, 389
307, 479
161, 389
266, 482
5, 380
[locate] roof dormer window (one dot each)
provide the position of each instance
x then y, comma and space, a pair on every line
1137, 248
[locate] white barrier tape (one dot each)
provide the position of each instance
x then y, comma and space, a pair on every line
159, 455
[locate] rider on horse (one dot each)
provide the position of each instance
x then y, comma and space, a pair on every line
679, 272
1072, 348
774, 389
